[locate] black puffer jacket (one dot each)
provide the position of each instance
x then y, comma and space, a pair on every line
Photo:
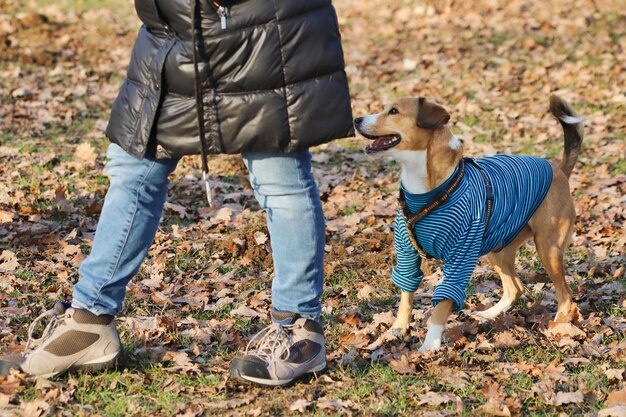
271, 74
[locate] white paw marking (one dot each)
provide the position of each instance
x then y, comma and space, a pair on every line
433, 338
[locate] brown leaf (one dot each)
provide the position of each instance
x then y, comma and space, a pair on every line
243, 311
331, 404
454, 377
435, 399
159, 298
300, 405
10, 384
6, 216
224, 214
8, 261
351, 319
505, 340
181, 359
403, 366
387, 318
616, 398
85, 152
613, 411
568, 398
365, 293
566, 329
35, 408
354, 340
495, 399
494, 408
260, 238
177, 208
615, 375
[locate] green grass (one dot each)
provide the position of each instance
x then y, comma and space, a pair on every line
499, 38
148, 387
159, 392
471, 121
482, 138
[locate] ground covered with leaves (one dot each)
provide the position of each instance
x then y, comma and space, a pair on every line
204, 289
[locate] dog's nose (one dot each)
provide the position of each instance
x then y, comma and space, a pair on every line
358, 120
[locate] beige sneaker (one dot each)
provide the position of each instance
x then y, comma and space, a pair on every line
286, 350
73, 339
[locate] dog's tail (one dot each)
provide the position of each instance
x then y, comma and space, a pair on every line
572, 125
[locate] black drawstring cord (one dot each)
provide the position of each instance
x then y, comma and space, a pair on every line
196, 26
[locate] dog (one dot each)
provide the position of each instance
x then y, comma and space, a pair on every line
457, 209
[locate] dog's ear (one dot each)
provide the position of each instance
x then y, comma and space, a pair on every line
431, 115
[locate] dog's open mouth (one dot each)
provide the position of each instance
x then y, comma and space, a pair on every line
381, 143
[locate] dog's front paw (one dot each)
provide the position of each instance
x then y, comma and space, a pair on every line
431, 347
399, 327
432, 341
397, 332
571, 315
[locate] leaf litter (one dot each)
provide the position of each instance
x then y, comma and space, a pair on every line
204, 289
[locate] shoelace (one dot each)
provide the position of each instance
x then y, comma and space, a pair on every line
271, 343
54, 322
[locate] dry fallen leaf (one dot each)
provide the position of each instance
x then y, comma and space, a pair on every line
8, 261
568, 398
436, 399
85, 152
56, 88
505, 340
615, 375
260, 238
566, 329
355, 340
402, 365
613, 411
365, 293
300, 405
616, 398
243, 311
178, 357
493, 408
6, 216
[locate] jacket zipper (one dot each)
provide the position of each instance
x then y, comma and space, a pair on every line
222, 12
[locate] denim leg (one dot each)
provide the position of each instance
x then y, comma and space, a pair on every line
284, 186
128, 222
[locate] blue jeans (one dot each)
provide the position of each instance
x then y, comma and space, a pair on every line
284, 186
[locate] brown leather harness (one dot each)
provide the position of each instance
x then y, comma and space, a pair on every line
411, 219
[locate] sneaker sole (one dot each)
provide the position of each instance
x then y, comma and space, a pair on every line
103, 362
274, 382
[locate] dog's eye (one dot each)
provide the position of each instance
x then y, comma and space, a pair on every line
393, 111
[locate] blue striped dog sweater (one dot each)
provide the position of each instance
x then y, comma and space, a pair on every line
455, 232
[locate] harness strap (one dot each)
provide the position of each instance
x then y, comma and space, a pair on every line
196, 27
411, 219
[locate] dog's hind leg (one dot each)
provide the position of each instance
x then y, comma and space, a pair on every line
551, 249
504, 264
553, 224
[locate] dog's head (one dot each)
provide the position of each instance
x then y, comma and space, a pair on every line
404, 125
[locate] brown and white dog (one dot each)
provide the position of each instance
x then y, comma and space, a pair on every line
415, 133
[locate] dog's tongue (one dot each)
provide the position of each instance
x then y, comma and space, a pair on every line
381, 143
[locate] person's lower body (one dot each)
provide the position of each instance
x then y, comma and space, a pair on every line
294, 344
284, 186
83, 334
